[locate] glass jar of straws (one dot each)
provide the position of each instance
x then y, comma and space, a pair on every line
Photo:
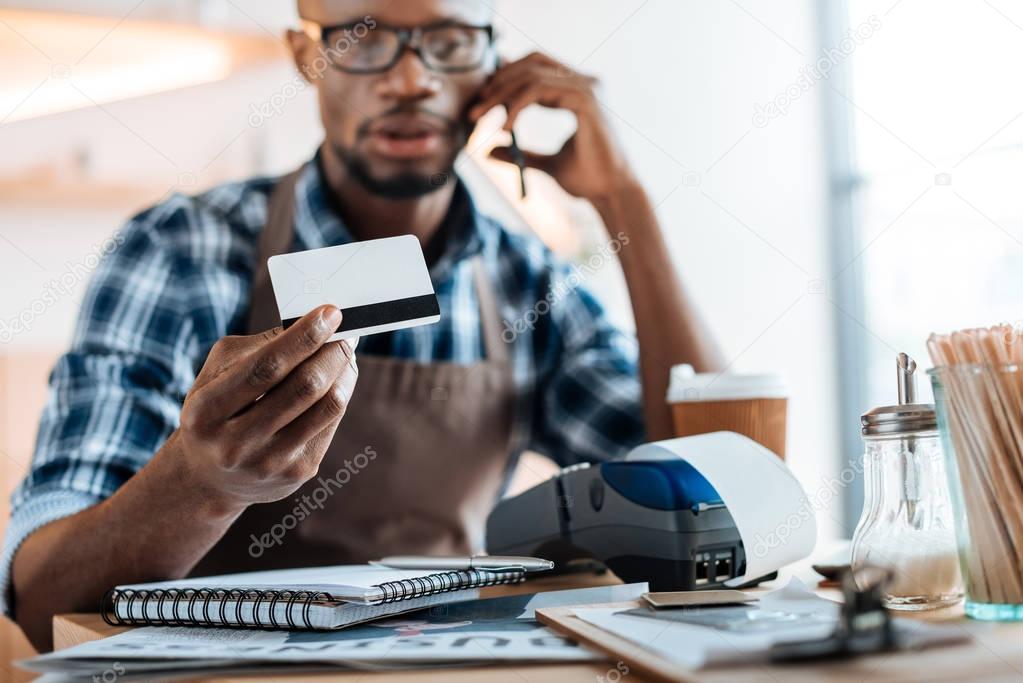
907, 523
978, 391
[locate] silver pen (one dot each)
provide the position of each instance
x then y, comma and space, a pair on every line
491, 562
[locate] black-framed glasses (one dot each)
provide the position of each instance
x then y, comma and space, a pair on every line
449, 47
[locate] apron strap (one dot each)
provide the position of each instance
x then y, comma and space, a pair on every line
277, 237
490, 313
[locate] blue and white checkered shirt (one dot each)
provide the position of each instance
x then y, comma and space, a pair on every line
179, 281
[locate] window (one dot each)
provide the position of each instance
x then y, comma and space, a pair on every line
927, 142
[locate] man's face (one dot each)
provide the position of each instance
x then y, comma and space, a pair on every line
399, 131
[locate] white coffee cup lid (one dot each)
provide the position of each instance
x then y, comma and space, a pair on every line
687, 385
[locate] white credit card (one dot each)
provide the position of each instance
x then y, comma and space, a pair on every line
379, 285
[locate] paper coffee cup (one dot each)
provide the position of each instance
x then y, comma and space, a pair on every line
753, 405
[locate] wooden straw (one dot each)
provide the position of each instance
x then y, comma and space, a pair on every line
1004, 460
984, 407
1012, 376
943, 354
1009, 405
987, 449
977, 477
982, 584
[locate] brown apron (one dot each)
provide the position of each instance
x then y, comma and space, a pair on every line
417, 462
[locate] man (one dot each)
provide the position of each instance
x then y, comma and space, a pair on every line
169, 448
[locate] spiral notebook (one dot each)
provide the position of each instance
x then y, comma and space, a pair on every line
313, 598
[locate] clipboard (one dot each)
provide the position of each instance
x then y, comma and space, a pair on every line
636, 657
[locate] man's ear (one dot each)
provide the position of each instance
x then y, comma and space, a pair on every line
301, 48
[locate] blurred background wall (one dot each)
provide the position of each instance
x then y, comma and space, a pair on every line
835, 179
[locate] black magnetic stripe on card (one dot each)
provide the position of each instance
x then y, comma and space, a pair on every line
383, 313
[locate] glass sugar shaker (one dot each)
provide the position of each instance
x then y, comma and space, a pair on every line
907, 522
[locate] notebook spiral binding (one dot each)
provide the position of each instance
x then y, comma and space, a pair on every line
444, 582
136, 609
214, 606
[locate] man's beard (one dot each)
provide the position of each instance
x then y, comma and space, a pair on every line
405, 185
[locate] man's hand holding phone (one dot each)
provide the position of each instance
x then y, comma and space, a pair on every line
591, 164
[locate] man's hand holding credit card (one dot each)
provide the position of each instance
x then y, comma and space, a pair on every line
379, 285
263, 410
265, 407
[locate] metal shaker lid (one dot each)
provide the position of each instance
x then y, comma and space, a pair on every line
896, 420
906, 418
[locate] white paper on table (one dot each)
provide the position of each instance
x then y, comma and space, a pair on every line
775, 519
481, 631
792, 613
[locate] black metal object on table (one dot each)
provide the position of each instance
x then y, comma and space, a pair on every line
864, 623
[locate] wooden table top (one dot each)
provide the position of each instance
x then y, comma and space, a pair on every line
995, 653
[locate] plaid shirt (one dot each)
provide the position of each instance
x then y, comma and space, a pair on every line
180, 280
